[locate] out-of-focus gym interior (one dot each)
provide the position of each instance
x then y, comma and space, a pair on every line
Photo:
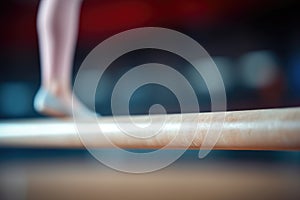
256, 47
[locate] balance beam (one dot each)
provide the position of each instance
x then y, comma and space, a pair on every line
266, 129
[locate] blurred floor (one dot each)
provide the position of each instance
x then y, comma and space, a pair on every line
81, 177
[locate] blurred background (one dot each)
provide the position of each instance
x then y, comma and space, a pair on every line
255, 45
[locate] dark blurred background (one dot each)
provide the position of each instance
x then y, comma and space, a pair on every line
255, 44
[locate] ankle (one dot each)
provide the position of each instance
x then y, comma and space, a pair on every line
58, 90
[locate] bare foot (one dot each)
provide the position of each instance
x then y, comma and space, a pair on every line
48, 103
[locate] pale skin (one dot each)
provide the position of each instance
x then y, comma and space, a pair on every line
57, 27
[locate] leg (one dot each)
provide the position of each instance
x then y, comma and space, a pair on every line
57, 25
